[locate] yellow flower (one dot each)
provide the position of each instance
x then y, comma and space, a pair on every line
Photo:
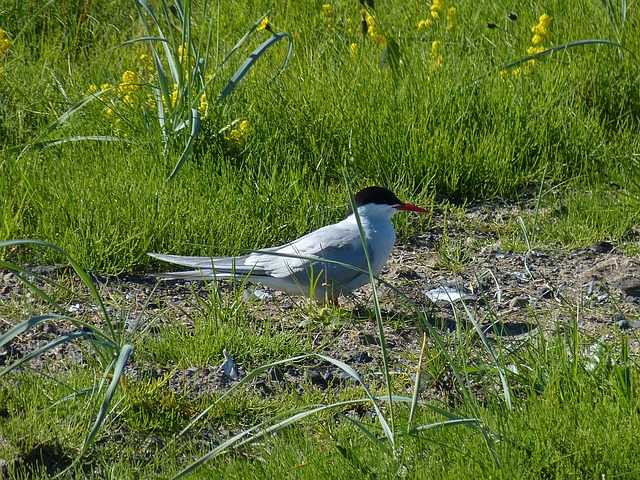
534, 50
542, 28
236, 137
93, 89
353, 48
129, 100
437, 48
174, 95
105, 86
372, 30
437, 52
202, 108
328, 11
422, 24
437, 7
130, 82
452, 18
5, 43
265, 25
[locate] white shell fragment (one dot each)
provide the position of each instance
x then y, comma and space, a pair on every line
450, 294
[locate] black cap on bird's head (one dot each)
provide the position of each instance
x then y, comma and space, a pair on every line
382, 196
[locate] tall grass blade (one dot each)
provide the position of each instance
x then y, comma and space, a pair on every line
69, 113
44, 348
118, 371
195, 130
248, 435
564, 46
501, 373
243, 39
60, 141
23, 275
26, 325
167, 48
248, 63
390, 432
81, 272
416, 384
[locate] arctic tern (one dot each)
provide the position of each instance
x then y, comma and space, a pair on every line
316, 265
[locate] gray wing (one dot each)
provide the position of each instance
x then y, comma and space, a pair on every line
222, 264
329, 262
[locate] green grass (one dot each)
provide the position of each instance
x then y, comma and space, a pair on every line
561, 136
463, 131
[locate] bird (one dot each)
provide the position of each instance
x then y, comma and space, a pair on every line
323, 264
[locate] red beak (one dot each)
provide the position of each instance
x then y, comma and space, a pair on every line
411, 208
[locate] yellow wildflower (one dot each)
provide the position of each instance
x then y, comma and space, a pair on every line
183, 55
353, 48
437, 48
5, 43
451, 18
437, 52
540, 30
174, 95
265, 25
437, 7
93, 89
328, 11
534, 50
372, 29
422, 24
105, 86
237, 136
537, 39
130, 82
202, 108
129, 99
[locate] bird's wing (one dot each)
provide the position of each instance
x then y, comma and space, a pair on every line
295, 258
339, 243
223, 264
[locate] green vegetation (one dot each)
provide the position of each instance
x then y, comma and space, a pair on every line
120, 135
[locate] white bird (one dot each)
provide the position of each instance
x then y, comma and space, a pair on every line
316, 265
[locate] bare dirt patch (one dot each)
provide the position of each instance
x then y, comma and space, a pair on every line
511, 294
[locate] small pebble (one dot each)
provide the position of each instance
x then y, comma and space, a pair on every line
519, 302
602, 247
629, 286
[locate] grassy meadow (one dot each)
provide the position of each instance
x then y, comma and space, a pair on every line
123, 132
